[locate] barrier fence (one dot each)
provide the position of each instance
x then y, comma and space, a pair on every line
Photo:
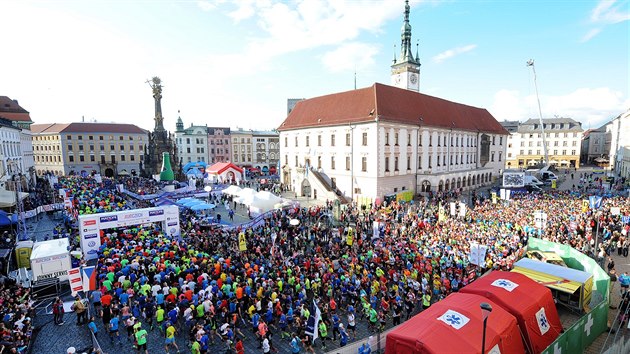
582, 333
41, 209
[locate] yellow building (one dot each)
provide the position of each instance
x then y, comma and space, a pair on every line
75, 148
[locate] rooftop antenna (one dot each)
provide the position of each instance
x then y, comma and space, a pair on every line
355, 78
530, 63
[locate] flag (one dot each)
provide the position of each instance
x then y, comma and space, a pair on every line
595, 202
313, 321
505, 284
454, 319
89, 278
543, 323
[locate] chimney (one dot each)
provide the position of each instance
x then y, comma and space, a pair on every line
16, 102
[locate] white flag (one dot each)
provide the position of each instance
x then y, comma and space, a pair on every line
505, 284
543, 323
454, 319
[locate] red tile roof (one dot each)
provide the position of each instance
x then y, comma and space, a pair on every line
116, 128
11, 110
392, 104
220, 167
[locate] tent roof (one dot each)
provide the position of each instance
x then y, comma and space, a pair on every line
427, 333
234, 190
523, 301
50, 248
221, 167
7, 198
556, 270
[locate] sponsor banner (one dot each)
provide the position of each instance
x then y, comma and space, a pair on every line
74, 277
58, 274
109, 218
48, 259
156, 212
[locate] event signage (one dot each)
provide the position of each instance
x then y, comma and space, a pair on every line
74, 277
478, 254
91, 224
540, 219
454, 319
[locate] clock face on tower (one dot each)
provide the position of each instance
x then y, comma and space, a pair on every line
413, 78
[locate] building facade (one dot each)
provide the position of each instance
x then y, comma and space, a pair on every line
620, 143
192, 142
595, 146
266, 150
242, 147
11, 161
563, 138
20, 118
385, 140
78, 148
219, 144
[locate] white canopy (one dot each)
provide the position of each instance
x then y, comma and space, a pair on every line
7, 198
246, 192
50, 248
261, 201
232, 190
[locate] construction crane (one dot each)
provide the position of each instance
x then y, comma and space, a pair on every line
530, 63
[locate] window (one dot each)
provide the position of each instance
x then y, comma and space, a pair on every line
500, 141
492, 157
529, 152
102, 147
332, 162
113, 158
431, 140
120, 137
133, 157
347, 163
71, 158
122, 147
530, 144
438, 160
396, 163
90, 137
308, 140
574, 143
69, 147
575, 135
419, 162
430, 158
500, 156
92, 158
555, 143
80, 137
91, 147
565, 143
347, 139
420, 139
112, 148
493, 139
188, 150
332, 140
364, 139
319, 162
386, 164
296, 141
396, 139
572, 152
81, 158
69, 137
564, 152
386, 139
364, 159
122, 157
296, 160
286, 141
408, 139
522, 144
537, 152
80, 147
319, 140
131, 147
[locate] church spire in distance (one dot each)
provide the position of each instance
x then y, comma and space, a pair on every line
406, 54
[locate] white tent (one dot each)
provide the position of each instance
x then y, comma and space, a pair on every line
265, 195
232, 190
7, 198
246, 192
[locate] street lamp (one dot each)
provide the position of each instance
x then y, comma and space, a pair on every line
485, 312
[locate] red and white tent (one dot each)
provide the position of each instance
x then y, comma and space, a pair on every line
531, 303
455, 325
225, 172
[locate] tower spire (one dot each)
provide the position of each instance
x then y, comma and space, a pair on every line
406, 54
406, 68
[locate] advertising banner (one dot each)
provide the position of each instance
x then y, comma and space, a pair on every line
74, 277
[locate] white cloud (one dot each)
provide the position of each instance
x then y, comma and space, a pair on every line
350, 56
591, 106
245, 9
606, 12
592, 33
447, 54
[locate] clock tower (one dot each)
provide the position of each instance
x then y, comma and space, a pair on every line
406, 69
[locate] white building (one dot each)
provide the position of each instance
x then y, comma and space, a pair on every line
620, 144
563, 138
381, 140
20, 118
242, 147
11, 162
192, 142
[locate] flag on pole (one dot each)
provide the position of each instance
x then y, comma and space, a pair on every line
89, 278
595, 202
313, 321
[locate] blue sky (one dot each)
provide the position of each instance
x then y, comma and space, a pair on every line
234, 63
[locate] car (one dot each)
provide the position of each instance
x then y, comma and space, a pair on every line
547, 257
